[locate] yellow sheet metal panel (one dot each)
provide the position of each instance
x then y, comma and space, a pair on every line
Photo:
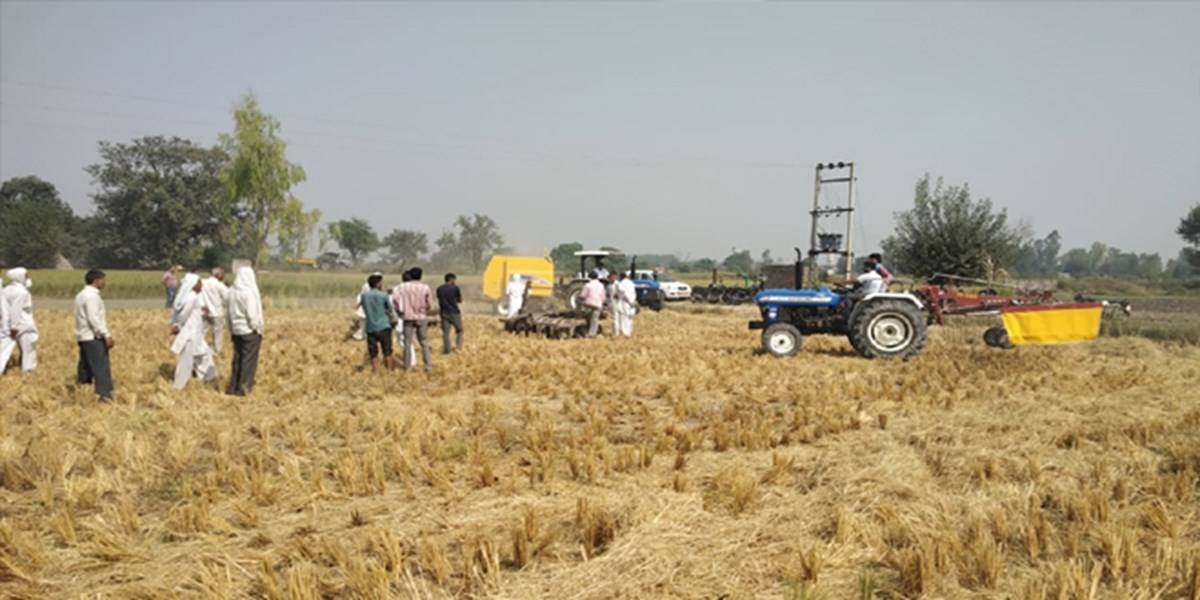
1052, 324
501, 268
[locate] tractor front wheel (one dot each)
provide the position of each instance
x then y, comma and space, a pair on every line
888, 329
781, 339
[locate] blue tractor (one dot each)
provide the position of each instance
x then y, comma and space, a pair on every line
879, 325
649, 291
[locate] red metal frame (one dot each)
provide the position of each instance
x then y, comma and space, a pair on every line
946, 300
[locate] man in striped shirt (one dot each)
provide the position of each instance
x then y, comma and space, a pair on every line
414, 299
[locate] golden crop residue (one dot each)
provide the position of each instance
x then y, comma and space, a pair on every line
680, 463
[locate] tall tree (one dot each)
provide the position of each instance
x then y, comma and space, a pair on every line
355, 236
34, 222
159, 200
259, 179
478, 236
296, 228
947, 231
1189, 230
405, 246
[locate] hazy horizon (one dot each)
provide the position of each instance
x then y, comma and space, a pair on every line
656, 128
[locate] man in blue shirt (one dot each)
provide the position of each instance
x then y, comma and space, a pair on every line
380, 316
449, 299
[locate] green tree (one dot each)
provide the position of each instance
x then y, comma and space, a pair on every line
159, 201
1189, 230
34, 223
563, 256
355, 236
1039, 257
1077, 262
405, 246
947, 231
259, 179
739, 261
478, 236
296, 229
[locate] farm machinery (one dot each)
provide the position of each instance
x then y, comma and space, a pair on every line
886, 324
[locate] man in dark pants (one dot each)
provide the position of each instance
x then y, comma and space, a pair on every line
246, 324
91, 332
449, 299
380, 318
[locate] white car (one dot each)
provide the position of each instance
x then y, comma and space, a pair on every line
672, 290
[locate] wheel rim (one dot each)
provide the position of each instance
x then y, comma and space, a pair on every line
781, 342
889, 332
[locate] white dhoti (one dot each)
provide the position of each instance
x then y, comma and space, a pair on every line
27, 342
7, 346
195, 358
622, 324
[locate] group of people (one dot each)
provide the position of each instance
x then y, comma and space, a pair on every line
406, 309
614, 289
201, 311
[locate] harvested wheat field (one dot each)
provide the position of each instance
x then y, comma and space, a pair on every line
679, 464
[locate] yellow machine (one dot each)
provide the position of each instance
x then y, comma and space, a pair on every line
500, 269
1052, 324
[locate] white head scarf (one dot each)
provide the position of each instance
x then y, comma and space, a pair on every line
186, 294
247, 284
20, 275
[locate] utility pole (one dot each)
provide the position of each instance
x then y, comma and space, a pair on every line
824, 242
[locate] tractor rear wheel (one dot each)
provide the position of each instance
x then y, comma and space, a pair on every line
571, 295
888, 329
781, 339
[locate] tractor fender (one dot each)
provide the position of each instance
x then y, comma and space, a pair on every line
904, 297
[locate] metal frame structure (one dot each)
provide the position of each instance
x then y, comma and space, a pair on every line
817, 248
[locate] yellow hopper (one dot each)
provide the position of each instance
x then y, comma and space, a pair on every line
1052, 323
500, 269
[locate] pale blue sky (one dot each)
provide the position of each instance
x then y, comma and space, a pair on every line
685, 128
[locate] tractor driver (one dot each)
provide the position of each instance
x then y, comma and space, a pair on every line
868, 282
601, 272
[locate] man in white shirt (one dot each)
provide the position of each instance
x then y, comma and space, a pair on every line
624, 305
6, 337
246, 325
216, 298
22, 330
869, 281
91, 332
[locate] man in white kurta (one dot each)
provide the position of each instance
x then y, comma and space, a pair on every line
22, 330
6, 339
624, 303
187, 324
515, 291
216, 297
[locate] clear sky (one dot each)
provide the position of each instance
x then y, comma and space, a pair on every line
688, 128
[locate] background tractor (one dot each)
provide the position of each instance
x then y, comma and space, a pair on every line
649, 291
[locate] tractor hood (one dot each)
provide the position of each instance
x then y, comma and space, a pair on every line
784, 297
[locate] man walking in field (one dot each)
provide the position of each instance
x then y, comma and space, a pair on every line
187, 325
592, 297
6, 336
449, 307
170, 281
379, 318
216, 297
22, 330
93, 337
246, 325
416, 302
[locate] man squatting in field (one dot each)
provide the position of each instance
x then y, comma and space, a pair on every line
246, 325
379, 319
449, 299
19, 328
91, 332
187, 325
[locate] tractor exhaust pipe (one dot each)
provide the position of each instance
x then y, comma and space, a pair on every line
799, 274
